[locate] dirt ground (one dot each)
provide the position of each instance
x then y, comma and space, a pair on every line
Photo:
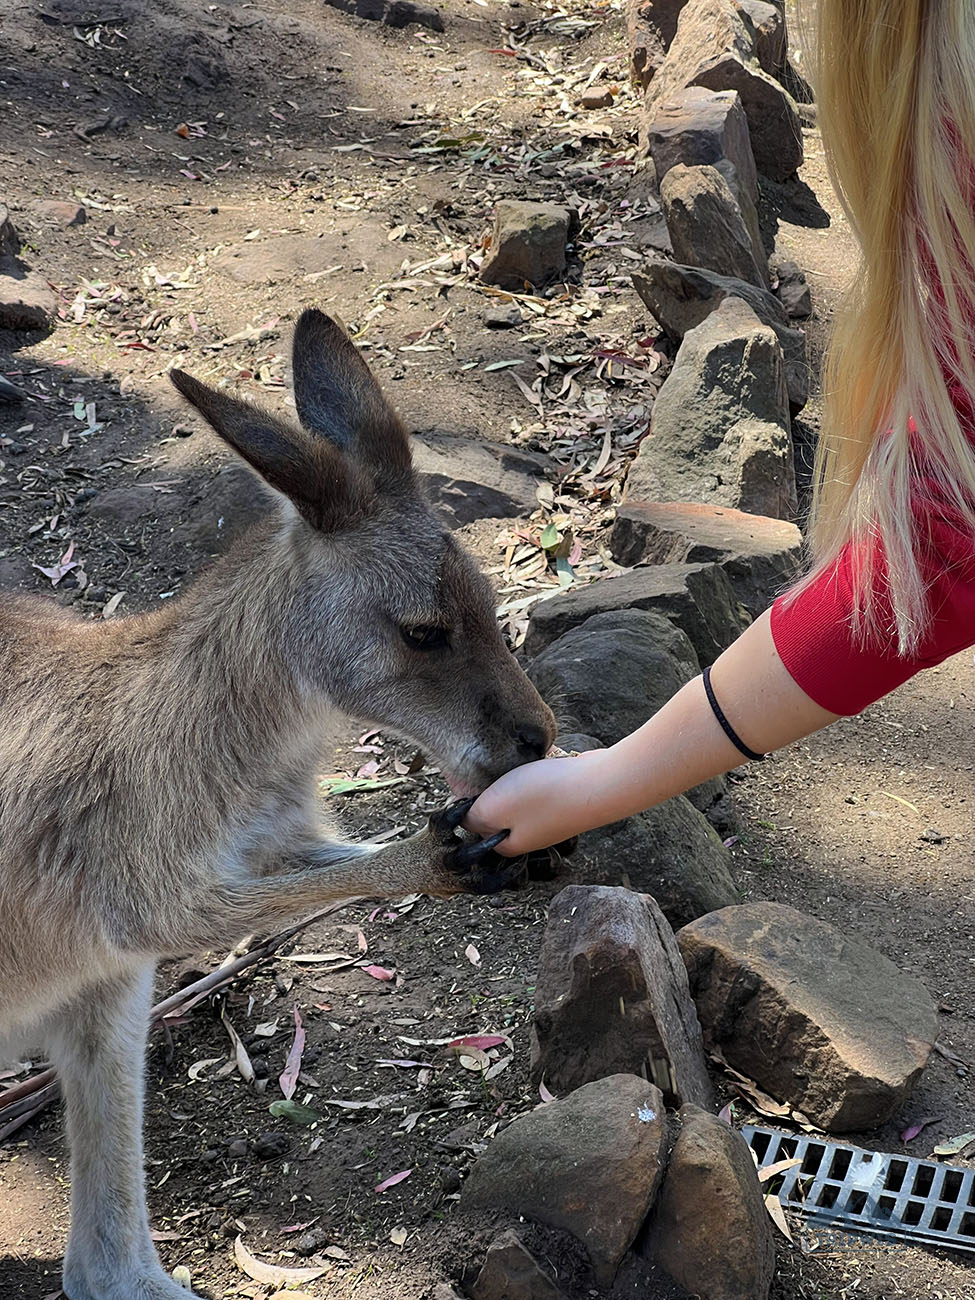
238, 162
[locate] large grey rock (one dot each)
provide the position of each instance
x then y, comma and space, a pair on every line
470, 478
697, 597
651, 26
771, 41
27, 301
702, 128
669, 852
9, 238
589, 1163
710, 1229
392, 13
226, 505
604, 678
681, 297
720, 431
761, 556
527, 244
790, 287
611, 997
706, 224
715, 46
511, 1272
817, 1018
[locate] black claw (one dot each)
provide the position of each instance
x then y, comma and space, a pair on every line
469, 855
455, 814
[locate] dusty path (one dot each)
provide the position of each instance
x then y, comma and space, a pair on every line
320, 155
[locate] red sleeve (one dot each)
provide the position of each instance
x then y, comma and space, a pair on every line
814, 635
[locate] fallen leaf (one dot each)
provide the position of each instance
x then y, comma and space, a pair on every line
780, 1166
956, 1146
392, 1180
912, 1130
242, 1060
294, 1112
398, 1236
181, 1275
110, 606
271, 1274
544, 1093
472, 955
56, 572
288, 1079
906, 802
378, 972
777, 1215
481, 1041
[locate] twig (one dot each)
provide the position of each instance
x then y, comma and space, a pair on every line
25, 1100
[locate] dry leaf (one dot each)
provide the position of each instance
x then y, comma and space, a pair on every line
271, 1274
241, 1059
398, 1236
779, 1167
288, 1079
777, 1215
472, 955
392, 1180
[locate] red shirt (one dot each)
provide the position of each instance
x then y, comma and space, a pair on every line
814, 633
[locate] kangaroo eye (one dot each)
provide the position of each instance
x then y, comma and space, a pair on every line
425, 637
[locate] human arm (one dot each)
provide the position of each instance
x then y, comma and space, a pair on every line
679, 747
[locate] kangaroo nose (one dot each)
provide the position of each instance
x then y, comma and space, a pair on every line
532, 742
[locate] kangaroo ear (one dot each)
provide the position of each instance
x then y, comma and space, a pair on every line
326, 488
338, 398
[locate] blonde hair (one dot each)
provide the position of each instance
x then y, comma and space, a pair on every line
895, 82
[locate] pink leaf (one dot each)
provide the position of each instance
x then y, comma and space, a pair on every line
379, 972
361, 941
289, 1076
392, 1180
544, 1093
727, 1113
912, 1130
300, 1227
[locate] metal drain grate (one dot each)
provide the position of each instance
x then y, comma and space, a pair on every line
854, 1190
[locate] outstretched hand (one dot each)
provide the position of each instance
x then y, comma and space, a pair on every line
540, 803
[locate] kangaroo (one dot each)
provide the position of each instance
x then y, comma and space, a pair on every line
157, 772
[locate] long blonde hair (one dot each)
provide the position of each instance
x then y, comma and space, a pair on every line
895, 82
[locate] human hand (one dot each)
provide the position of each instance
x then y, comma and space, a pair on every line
541, 803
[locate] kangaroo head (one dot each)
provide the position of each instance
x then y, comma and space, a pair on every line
387, 616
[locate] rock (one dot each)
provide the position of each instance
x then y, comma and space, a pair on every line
228, 504
669, 852
604, 678
715, 47
790, 287
10, 392
511, 1272
816, 1018
527, 244
502, 318
681, 297
702, 128
610, 671
710, 1229
596, 99
706, 224
589, 1163
471, 478
269, 1146
697, 597
392, 13
651, 26
760, 556
768, 23
27, 301
131, 504
312, 1241
611, 997
60, 212
720, 430
9, 238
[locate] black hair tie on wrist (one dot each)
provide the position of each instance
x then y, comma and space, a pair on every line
726, 726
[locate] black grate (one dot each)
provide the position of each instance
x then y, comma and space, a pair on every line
854, 1190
